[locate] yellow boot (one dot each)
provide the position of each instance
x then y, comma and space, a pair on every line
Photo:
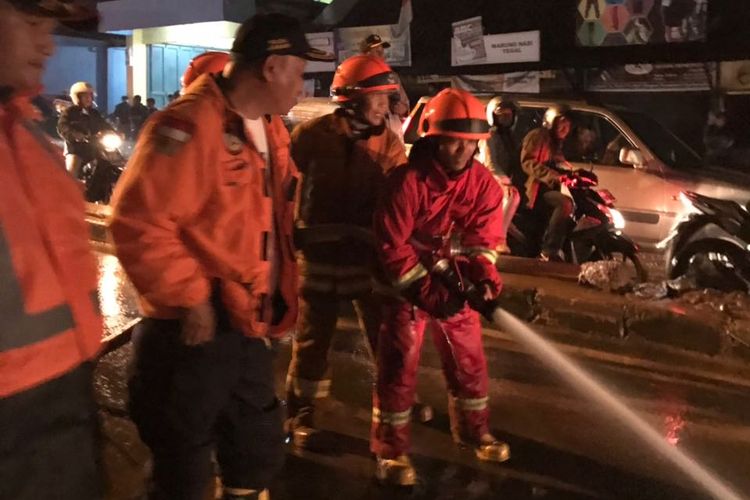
490, 449
396, 471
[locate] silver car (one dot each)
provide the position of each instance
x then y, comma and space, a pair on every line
641, 162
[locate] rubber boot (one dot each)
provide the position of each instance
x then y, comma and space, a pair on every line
490, 449
241, 494
486, 447
301, 427
396, 471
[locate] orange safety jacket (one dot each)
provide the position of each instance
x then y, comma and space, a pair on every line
193, 211
49, 315
342, 177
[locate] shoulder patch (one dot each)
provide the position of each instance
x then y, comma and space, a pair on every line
171, 134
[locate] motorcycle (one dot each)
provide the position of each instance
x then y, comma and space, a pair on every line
595, 227
712, 242
102, 172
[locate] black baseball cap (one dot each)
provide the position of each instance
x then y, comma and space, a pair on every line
373, 41
76, 14
264, 35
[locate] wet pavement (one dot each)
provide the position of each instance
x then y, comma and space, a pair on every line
562, 446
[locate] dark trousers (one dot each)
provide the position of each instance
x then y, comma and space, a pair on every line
49, 446
561, 208
189, 401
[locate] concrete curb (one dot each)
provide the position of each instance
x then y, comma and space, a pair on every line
560, 303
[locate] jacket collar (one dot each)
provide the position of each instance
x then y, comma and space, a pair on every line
437, 178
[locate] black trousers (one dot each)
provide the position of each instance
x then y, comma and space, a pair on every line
189, 401
49, 441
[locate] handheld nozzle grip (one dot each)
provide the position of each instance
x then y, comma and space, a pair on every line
464, 288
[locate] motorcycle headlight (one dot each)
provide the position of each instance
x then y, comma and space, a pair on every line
110, 142
617, 219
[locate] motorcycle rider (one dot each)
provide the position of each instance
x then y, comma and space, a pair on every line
545, 167
343, 158
51, 326
500, 154
79, 125
442, 193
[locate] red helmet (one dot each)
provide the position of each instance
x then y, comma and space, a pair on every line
208, 62
362, 74
454, 113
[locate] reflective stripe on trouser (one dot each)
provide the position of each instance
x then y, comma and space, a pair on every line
317, 323
458, 341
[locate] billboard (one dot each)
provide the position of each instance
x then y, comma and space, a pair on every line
640, 22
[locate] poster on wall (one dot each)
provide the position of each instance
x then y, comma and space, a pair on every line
467, 44
507, 48
526, 82
348, 42
321, 41
735, 77
640, 22
651, 78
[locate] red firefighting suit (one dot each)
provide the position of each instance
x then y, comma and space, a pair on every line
50, 325
422, 206
342, 176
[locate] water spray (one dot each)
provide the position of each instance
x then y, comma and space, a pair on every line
582, 381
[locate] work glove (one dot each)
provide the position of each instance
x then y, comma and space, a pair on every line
430, 295
480, 271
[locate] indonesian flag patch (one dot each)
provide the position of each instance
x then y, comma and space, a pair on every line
171, 134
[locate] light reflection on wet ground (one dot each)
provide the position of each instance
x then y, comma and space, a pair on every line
117, 296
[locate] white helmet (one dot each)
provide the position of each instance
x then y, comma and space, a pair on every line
80, 88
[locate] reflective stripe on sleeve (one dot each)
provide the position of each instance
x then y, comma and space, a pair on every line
487, 253
415, 274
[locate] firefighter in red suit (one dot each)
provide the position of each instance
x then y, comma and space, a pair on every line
443, 194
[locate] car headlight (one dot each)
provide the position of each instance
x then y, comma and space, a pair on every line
110, 142
617, 219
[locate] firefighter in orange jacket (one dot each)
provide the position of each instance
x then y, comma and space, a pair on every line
443, 194
50, 325
203, 226
343, 158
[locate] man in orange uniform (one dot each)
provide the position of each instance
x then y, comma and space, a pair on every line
208, 62
203, 226
343, 157
442, 194
50, 325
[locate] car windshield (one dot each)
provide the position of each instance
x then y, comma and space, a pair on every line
661, 141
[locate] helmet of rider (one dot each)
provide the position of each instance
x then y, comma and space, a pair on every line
502, 113
79, 88
360, 75
554, 113
454, 113
208, 62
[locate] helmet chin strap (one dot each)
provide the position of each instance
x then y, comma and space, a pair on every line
361, 128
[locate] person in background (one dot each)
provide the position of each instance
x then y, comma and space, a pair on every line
50, 325
79, 126
500, 154
208, 62
138, 115
717, 140
214, 266
543, 162
398, 105
121, 116
151, 106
